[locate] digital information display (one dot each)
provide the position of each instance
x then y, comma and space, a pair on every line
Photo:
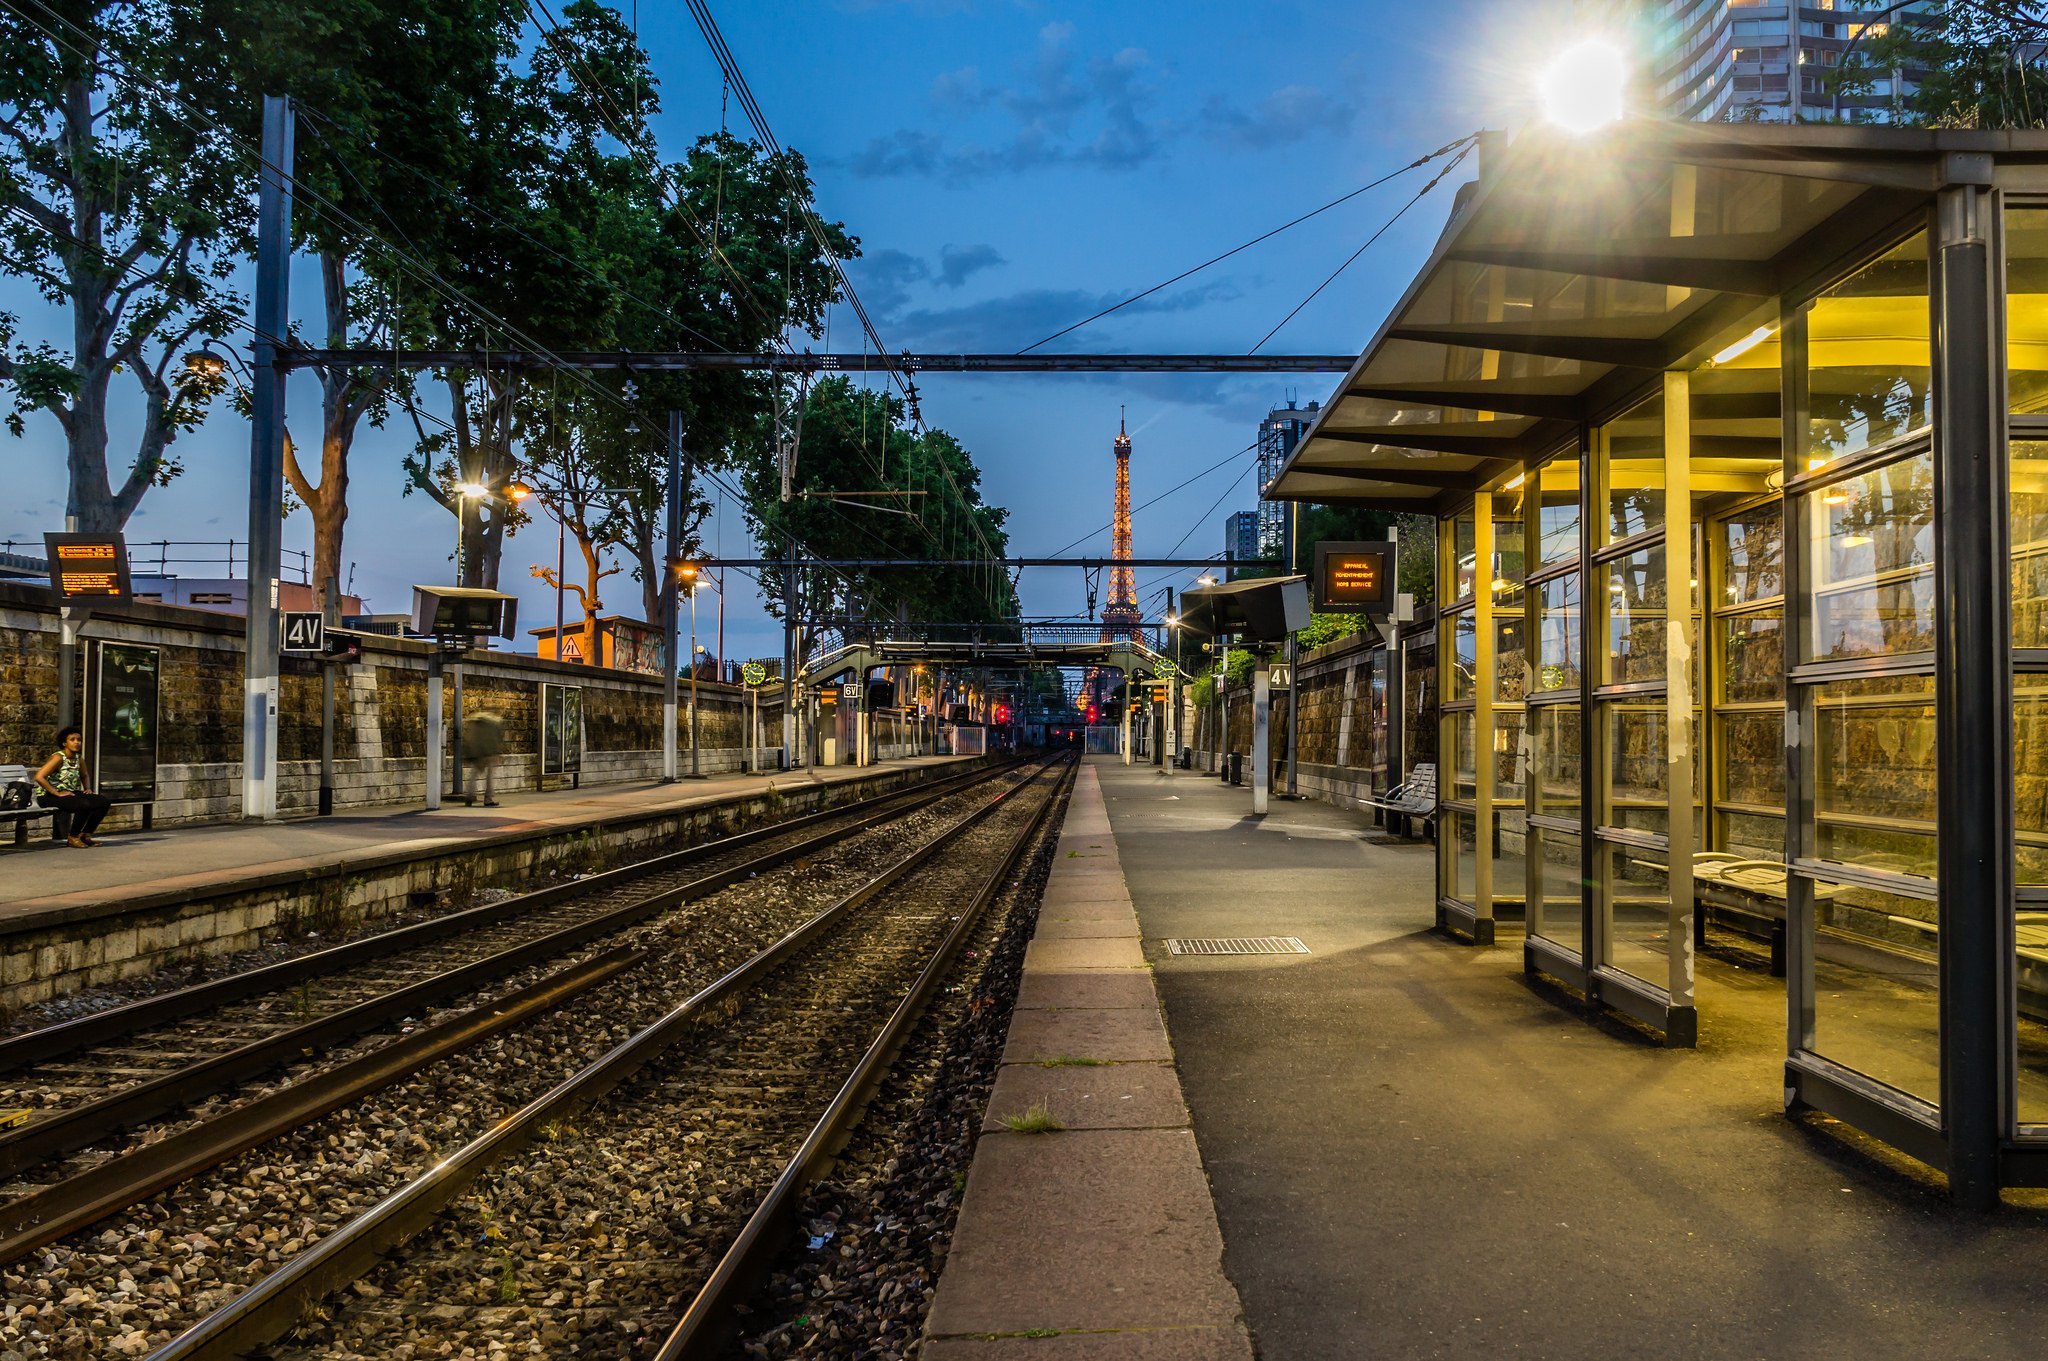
87, 566
1355, 576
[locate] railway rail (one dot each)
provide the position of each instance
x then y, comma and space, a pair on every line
607, 904
732, 1077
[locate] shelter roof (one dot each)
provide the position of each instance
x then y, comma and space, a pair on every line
1577, 268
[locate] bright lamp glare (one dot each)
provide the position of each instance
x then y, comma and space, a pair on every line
472, 489
1582, 89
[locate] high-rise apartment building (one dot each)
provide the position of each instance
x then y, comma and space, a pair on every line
1742, 61
1278, 434
1241, 536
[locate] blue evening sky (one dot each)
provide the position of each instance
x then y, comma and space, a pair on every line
1009, 168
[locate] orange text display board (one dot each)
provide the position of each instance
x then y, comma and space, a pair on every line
87, 567
1355, 576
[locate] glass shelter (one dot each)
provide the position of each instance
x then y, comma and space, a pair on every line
1737, 442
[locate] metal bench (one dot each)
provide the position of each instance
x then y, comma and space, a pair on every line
1753, 892
11, 776
1414, 797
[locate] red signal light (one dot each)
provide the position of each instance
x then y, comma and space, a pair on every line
1091, 713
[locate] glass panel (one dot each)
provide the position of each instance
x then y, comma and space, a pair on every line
1753, 555
1633, 447
2026, 302
1875, 998
1418, 705
1637, 887
1870, 563
1461, 865
1510, 563
1464, 657
1507, 755
2030, 539
1554, 750
1558, 646
1557, 517
1752, 661
2030, 778
1510, 868
1509, 660
1556, 914
1635, 617
1753, 835
1638, 763
1868, 356
1873, 773
1463, 727
1381, 668
1464, 555
2032, 973
1752, 749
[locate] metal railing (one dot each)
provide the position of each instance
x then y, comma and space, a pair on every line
186, 557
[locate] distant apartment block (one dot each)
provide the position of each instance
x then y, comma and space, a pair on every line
1241, 536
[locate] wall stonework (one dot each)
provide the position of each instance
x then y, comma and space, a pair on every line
380, 712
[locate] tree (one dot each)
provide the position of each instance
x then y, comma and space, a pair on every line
127, 205
1977, 65
867, 487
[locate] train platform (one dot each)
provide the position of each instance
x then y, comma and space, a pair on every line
1412, 1151
137, 868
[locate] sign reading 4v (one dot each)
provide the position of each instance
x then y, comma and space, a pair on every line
303, 631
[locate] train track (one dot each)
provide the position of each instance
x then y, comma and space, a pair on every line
40, 1212
722, 1091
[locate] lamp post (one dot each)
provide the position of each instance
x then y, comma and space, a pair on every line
688, 573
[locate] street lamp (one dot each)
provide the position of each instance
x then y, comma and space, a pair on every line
687, 573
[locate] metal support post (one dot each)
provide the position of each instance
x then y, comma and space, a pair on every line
434, 730
266, 461
1293, 523
1223, 717
1973, 692
1262, 714
455, 738
669, 586
70, 619
789, 660
1127, 722
326, 806
696, 748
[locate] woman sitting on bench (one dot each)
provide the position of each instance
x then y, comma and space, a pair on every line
62, 780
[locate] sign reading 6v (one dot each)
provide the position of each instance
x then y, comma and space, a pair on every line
304, 631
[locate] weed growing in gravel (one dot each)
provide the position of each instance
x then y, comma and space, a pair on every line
1066, 1061
1036, 1119
302, 1000
508, 1278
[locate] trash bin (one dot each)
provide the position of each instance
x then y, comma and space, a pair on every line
1236, 762
1184, 758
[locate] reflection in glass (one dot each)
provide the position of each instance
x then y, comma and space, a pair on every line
1554, 750
1635, 617
1510, 868
1752, 750
1558, 625
1419, 702
1638, 766
1753, 555
1637, 893
1557, 517
2030, 778
1510, 564
1464, 555
1873, 773
1753, 656
1556, 915
1754, 835
2029, 473
1463, 727
1633, 447
1868, 356
1507, 755
1870, 562
2026, 315
1509, 656
1875, 998
1464, 657
1461, 836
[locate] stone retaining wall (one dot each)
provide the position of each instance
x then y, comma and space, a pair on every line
380, 712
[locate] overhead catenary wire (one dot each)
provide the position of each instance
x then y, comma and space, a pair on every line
1384, 227
1417, 163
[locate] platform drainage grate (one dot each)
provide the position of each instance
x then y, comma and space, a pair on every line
1236, 945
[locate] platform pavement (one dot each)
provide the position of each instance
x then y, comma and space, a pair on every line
1096, 1242
197, 858
1416, 1153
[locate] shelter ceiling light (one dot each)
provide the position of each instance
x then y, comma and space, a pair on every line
1744, 345
1583, 88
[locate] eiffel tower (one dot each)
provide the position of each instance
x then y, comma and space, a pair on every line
1120, 616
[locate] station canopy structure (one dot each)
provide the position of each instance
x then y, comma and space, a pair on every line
1736, 440
1035, 648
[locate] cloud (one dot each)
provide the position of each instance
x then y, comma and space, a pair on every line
1014, 319
1290, 114
958, 264
1060, 108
